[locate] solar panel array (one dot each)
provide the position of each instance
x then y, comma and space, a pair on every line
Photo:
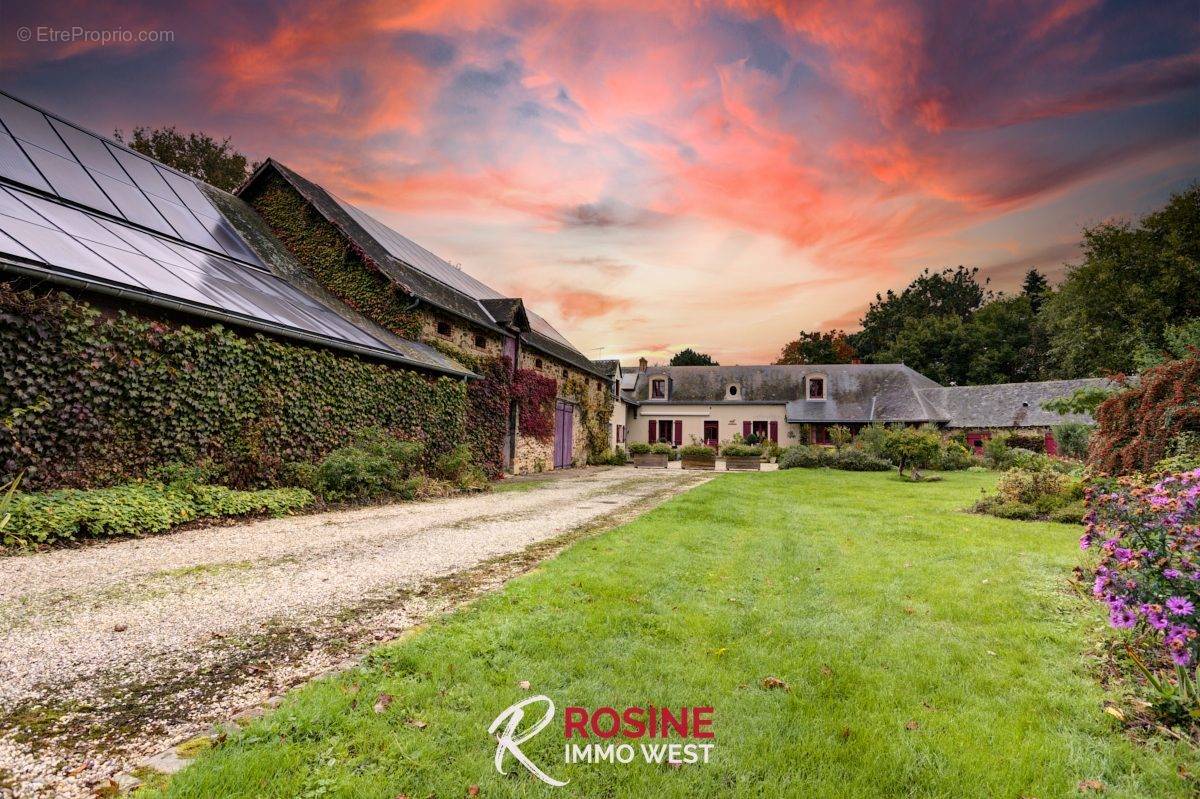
416, 256
144, 227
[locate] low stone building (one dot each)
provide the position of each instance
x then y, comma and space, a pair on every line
799, 404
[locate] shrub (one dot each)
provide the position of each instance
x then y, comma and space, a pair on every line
996, 452
914, 449
662, 449
1034, 494
352, 473
639, 448
855, 460
803, 456
736, 450
7, 492
458, 468
1013, 510
697, 452
135, 509
1034, 442
1149, 575
954, 457
1135, 427
1072, 438
873, 439
839, 436
612, 457
1069, 514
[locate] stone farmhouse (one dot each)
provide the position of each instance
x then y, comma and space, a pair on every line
285, 258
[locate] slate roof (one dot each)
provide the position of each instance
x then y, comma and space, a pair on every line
420, 272
80, 210
1009, 404
855, 392
607, 367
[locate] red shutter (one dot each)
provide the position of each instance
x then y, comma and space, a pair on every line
653, 431
678, 432
745, 429
774, 432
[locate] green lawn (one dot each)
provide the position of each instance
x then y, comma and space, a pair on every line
927, 652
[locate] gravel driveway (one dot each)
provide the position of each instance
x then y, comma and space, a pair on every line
110, 652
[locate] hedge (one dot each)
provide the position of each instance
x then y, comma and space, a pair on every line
91, 399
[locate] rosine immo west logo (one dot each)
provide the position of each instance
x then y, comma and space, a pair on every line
606, 734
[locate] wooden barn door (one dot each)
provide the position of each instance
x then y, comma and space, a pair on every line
564, 433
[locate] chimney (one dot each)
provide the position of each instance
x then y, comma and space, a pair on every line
641, 364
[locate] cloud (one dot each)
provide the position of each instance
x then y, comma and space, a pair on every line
750, 157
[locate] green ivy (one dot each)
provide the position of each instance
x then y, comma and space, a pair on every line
596, 409
339, 266
94, 399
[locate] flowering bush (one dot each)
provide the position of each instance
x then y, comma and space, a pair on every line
1148, 534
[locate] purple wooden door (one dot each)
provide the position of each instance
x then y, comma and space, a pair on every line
564, 433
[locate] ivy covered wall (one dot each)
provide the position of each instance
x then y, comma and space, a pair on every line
90, 398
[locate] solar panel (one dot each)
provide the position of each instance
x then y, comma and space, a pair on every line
70, 180
31, 126
82, 243
16, 166
417, 256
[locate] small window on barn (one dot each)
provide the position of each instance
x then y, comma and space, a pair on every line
564, 372
658, 388
732, 391
816, 387
537, 363
443, 328
480, 341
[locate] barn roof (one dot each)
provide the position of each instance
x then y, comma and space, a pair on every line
80, 210
1009, 404
420, 272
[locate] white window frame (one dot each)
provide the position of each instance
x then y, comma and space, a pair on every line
808, 388
733, 387
666, 390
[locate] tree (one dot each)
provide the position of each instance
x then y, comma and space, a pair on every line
1003, 341
1035, 288
939, 347
913, 448
690, 357
1081, 400
840, 436
1179, 341
816, 347
950, 292
196, 154
1133, 283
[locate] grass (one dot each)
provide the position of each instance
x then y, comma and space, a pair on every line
927, 653
505, 486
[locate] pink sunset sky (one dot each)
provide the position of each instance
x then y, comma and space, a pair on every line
651, 176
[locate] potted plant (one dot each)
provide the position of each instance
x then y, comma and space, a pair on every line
698, 456
742, 457
646, 456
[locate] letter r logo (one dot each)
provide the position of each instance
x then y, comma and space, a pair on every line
510, 740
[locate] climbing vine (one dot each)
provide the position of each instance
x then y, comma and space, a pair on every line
335, 262
535, 394
91, 399
596, 409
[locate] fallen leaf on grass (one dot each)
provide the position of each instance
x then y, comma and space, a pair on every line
1115, 712
911, 725
910, 611
844, 733
417, 724
826, 671
774, 682
1091, 785
473, 790
382, 701
82, 767
351, 689
524, 685
719, 651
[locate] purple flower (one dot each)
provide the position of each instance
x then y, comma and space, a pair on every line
1122, 554
1172, 574
1121, 617
1178, 606
1181, 656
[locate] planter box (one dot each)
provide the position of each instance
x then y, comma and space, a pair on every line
700, 463
650, 461
743, 463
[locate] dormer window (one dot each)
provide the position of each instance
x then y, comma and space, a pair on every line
732, 391
816, 387
443, 328
658, 388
